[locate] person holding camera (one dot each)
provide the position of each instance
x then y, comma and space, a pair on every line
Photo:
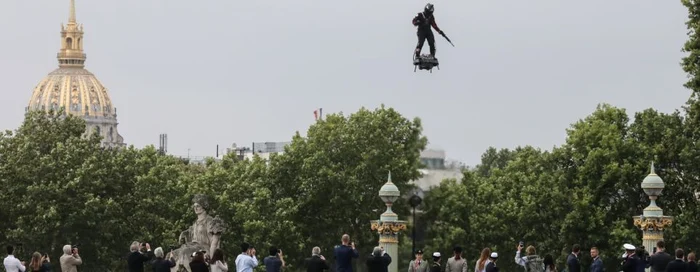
136, 258
344, 254
379, 261
163, 263
70, 259
317, 263
246, 261
11, 263
532, 262
274, 262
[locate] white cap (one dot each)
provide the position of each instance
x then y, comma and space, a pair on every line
436, 254
494, 255
628, 247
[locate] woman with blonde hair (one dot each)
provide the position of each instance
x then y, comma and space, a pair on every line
483, 260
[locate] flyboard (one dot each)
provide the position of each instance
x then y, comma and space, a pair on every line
427, 61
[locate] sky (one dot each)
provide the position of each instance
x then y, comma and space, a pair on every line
223, 72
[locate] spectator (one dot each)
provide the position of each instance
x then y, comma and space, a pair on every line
317, 263
246, 261
597, 263
11, 263
436, 262
39, 263
630, 259
484, 259
275, 261
692, 264
70, 259
677, 265
572, 262
136, 259
198, 264
162, 264
344, 254
491, 266
660, 259
549, 265
418, 265
218, 262
379, 262
456, 263
532, 262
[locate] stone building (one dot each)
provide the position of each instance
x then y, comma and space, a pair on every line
76, 90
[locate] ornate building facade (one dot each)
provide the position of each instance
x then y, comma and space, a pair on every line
75, 90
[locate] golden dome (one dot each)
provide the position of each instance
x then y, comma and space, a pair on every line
75, 89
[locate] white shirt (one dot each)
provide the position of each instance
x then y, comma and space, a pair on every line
245, 263
12, 264
219, 267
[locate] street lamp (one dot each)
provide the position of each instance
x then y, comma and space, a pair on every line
414, 201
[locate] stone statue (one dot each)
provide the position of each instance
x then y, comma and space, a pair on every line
204, 234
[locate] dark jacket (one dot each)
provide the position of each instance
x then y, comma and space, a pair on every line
597, 265
692, 267
315, 264
572, 263
491, 267
630, 263
659, 261
378, 263
436, 267
424, 22
677, 266
137, 259
162, 265
199, 266
343, 258
45, 267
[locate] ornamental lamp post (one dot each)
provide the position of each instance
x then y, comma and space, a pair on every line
414, 201
388, 226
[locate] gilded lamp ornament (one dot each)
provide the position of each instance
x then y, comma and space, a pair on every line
388, 226
652, 222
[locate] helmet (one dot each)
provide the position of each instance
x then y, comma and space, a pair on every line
429, 8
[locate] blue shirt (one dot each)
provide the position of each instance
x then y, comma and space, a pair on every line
343, 258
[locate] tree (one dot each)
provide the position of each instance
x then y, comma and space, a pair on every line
334, 174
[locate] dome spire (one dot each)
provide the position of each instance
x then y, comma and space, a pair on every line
71, 19
71, 54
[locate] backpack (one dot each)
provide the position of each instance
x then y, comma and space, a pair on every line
534, 264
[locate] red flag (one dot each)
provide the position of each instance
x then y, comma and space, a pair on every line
316, 115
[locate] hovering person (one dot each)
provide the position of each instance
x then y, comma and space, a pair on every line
423, 21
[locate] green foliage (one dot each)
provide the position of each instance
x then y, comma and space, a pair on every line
65, 188
584, 191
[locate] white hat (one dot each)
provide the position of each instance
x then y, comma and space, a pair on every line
628, 247
436, 254
494, 255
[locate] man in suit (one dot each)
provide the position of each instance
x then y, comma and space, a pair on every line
317, 263
418, 265
660, 259
70, 259
344, 254
456, 263
572, 262
678, 265
379, 262
597, 264
136, 259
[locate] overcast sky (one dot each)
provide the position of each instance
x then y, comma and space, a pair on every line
219, 71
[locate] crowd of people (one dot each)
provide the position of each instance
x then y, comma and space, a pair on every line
633, 260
